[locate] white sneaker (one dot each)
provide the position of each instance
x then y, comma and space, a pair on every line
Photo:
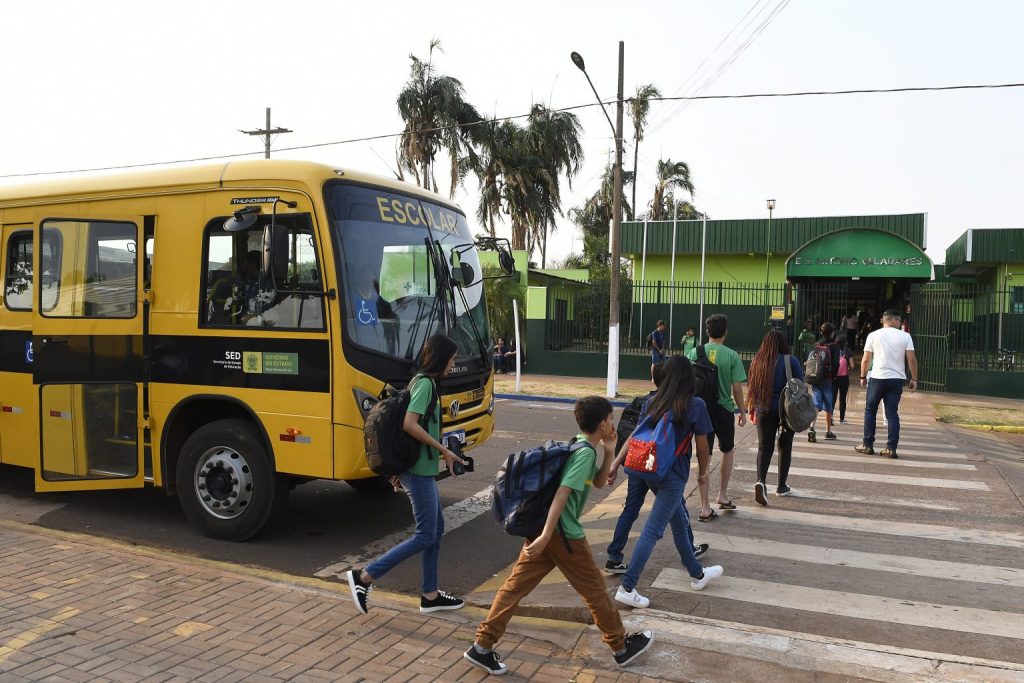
709, 574
632, 598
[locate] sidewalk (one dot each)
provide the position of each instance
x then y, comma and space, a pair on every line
78, 608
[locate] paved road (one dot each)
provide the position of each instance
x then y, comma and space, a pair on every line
925, 552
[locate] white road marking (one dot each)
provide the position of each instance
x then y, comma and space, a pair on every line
550, 406
454, 516
883, 526
899, 564
949, 454
807, 453
881, 478
856, 605
853, 498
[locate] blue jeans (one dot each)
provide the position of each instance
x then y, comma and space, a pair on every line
669, 508
636, 493
426, 509
890, 391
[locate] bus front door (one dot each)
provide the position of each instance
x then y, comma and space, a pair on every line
88, 352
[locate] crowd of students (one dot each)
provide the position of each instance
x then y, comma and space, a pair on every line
693, 427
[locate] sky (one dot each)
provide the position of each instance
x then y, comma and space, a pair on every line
95, 84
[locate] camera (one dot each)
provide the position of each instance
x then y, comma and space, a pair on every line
458, 468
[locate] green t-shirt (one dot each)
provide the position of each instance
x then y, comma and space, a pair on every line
806, 341
730, 370
419, 401
578, 475
689, 344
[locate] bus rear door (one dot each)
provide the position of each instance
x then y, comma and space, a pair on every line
87, 343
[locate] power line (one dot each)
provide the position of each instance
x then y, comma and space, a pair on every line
384, 136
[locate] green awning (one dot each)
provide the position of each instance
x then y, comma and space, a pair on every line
861, 253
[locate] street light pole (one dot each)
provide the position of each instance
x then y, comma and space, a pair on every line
613, 288
768, 263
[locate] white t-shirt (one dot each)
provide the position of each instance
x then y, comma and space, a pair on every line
889, 347
850, 322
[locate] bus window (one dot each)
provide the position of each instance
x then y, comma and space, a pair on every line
239, 292
18, 277
97, 280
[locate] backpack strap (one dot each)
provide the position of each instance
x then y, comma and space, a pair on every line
701, 355
428, 417
789, 370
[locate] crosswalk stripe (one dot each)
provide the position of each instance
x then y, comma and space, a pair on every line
883, 526
881, 478
848, 448
877, 460
913, 566
853, 498
855, 605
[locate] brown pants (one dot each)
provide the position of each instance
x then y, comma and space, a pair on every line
578, 567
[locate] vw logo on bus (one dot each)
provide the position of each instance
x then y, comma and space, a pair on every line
453, 409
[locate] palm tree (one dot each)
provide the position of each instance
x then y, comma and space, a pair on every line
554, 138
437, 117
594, 219
639, 107
671, 175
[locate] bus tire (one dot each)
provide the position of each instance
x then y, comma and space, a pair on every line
372, 485
226, 483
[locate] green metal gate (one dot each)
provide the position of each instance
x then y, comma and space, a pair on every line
820, 301
931, 324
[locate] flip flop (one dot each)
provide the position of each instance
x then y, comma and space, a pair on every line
727, 505
702, 518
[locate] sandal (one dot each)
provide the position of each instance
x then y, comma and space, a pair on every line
727, 505
708, 518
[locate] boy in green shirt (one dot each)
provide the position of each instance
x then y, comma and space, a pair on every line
731, 376
571, 554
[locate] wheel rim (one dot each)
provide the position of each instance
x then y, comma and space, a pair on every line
223, 482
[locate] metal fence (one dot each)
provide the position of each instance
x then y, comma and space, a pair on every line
577, 315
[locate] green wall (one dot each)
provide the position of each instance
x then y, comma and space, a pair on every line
717, 268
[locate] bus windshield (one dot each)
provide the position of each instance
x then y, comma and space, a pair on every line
392, 301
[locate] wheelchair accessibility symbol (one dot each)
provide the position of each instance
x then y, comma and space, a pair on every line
366, 314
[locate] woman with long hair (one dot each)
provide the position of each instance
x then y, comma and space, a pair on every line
689, 416
420, 485
766, 380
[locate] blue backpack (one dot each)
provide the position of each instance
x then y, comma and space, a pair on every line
652, 448
526, 485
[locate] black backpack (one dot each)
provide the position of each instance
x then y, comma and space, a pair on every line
526, 486
389, 449
629, 419
818, 366
705, 379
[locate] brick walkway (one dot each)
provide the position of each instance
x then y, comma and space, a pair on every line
74, 608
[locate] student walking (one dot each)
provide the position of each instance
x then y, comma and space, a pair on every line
636, 493
571, 553
730, 397
690, 425
420, 485
821, 366
656, 343
841, 382
887, 353
805, 342
764, 392
689, 340
849, 325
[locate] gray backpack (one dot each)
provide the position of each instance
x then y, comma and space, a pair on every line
796, 403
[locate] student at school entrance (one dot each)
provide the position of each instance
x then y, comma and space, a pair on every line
887, 353
570, 552
841, 382
656, 343
689, 340
764, 393
731, 375
805, 342
849, 325
420, 485
823, 389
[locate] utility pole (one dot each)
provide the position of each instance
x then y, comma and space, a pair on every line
613, 295
266, 133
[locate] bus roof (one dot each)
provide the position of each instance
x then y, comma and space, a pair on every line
208, 176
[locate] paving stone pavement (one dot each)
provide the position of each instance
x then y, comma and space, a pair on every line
78, 609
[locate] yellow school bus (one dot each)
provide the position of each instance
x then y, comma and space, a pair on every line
222, 331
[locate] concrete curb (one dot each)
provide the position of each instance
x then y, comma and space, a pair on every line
551, 399
1005, 429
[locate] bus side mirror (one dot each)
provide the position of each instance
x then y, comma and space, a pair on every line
506, 262
275, 254
463, 274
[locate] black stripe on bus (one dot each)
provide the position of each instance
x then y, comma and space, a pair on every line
78, 358
14, 351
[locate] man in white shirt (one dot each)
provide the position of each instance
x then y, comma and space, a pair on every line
891, 350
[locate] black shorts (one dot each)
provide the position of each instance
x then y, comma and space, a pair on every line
724, 422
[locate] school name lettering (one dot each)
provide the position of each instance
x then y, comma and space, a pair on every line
412, 213
857, 261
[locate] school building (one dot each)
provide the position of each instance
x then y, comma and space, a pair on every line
966, 314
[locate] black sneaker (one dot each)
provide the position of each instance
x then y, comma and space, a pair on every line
360, 591
443, 601
830, 436
700, 549
866, 450
636, 644
759, 493
488, 662
812, 437
616, 567
782, 490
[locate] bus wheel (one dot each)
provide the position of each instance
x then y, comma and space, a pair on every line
226, 485
373, 485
